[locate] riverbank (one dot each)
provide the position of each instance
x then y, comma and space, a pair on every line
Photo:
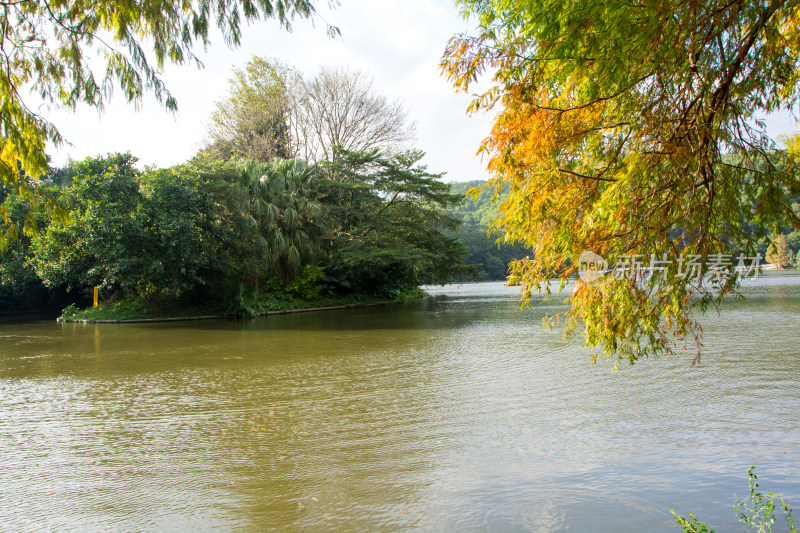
356, 305
137, 312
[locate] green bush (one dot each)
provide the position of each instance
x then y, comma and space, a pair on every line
308, 284
246, 303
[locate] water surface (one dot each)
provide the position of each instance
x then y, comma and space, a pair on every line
455, 413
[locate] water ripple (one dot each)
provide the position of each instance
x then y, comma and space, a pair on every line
456, 413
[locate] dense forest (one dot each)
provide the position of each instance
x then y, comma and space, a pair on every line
241, 237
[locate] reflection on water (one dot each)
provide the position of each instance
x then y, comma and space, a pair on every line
458, 412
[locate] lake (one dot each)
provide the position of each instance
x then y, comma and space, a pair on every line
458, 412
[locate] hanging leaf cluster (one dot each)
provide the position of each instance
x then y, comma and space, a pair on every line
634, 129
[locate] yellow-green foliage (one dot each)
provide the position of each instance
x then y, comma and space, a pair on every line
629, 128
46, 47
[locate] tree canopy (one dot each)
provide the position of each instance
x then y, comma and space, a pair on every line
241, 236
633, 130
340, 108
44, 48
273, 111
387, 220
253, 120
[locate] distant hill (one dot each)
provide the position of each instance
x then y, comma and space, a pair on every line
481, 211
476, 216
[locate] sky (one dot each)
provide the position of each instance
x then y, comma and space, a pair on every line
397, 42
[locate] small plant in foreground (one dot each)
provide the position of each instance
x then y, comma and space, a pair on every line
757, 509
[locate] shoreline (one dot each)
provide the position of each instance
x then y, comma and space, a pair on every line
355, 305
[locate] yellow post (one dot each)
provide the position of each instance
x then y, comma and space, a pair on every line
96, 294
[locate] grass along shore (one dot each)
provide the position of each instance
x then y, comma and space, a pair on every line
136, 311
